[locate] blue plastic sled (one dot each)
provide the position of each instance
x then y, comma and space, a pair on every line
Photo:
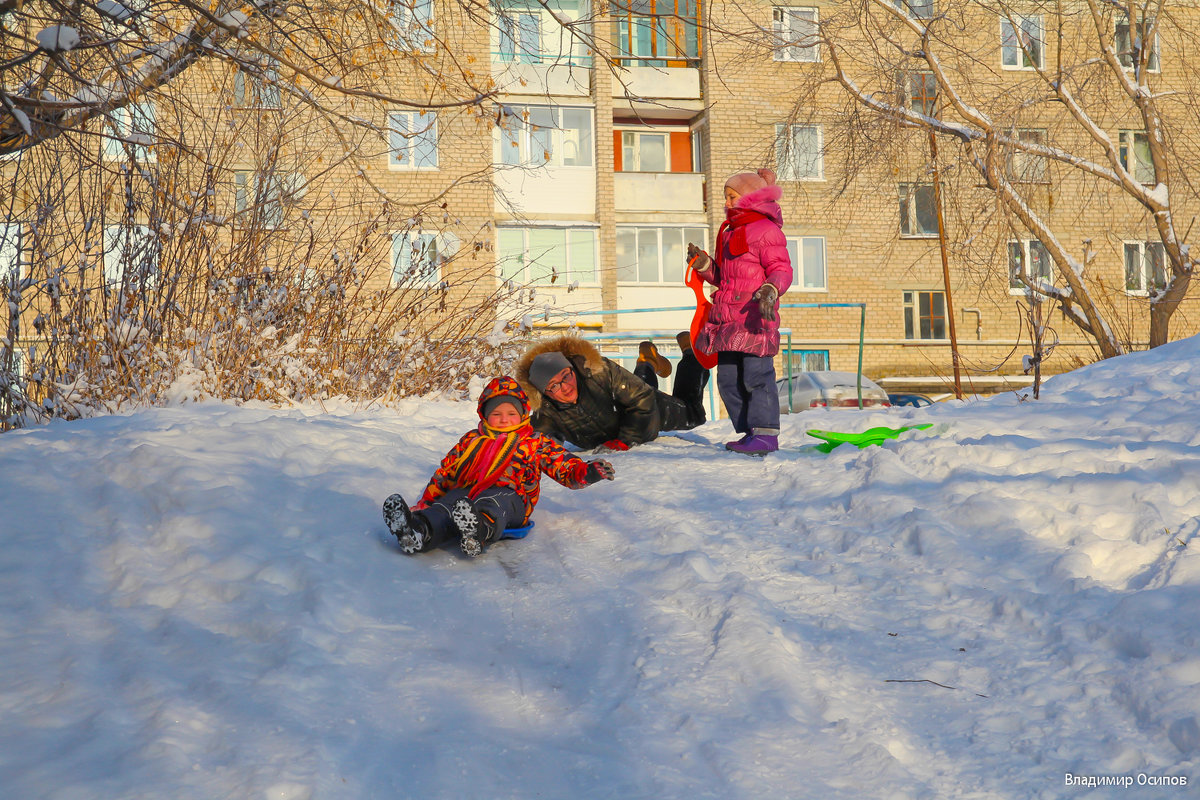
517, 533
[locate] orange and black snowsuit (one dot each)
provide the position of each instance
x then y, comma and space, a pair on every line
513, 458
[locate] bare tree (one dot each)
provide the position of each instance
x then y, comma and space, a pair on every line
1096, 99
193, 203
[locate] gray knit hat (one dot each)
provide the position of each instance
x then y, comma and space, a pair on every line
500, 399
545, 366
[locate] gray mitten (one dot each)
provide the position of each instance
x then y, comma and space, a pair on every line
697, 258
766, 296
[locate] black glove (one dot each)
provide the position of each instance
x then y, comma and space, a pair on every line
766, 296
599, 470
702, 260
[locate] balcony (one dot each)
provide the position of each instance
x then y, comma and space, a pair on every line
542, 76
664, 193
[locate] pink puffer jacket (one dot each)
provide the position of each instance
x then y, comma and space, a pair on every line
751, 250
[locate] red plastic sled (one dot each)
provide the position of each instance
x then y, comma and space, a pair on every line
707, 360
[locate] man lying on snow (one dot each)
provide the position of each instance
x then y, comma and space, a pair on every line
582, 397
490, 480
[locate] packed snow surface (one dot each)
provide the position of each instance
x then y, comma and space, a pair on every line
202, 602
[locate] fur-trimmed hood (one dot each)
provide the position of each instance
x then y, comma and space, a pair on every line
578, 351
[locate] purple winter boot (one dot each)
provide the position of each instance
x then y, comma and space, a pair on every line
757, 445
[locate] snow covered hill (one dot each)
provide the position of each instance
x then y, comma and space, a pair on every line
202, 602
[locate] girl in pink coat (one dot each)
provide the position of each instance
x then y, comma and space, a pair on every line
751, 269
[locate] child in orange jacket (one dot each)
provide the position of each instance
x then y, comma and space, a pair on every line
490, 480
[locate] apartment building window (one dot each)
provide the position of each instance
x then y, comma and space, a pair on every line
925, 315
132, 131
645, 152
808, 262
1134, 154
419, 257
411, 23
795, 34
520, 31
1028, 264
1023, 166
553, 136
263, 195
1129, 50
918, 91
798, 152
257, 85
10, 251
548, 256
130, 254
918, 212
654, 255
532, 32
808, 360
921, 9
656, 33
413, 140
1022, 42
1145, 267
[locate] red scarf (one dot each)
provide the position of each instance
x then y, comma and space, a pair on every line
732, 233
482, 464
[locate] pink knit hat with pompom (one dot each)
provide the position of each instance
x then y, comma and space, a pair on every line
747, 182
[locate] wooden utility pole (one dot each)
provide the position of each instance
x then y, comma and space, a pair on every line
937, 203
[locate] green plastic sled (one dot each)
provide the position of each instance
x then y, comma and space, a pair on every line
832, 439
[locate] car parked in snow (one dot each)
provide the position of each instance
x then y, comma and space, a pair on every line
828, 389
909, 399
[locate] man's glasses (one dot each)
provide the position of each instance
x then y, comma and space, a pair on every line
554, 386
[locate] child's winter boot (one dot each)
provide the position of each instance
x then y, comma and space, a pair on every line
470, 528
407, 528
757, 445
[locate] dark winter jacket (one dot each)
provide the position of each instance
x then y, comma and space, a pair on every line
751, 250
533, 454
613, 403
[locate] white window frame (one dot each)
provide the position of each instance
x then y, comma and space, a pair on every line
1014, 54
257, 85
793, 26
1139, 277
1023, 254
637, 136
134, 124
909, 214
791, 162
1023, 166
912, 316
1124, 49
670, 271
411, 24
402, 251
119, 240
1142, 169
535, 136
918, 9
413, 140
909, 98
278, 189
519, 35
560, 269
804, 268
11, 235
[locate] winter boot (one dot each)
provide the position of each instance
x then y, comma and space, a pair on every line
738, 442
407, 528
470, 527
757, 445
649, 353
